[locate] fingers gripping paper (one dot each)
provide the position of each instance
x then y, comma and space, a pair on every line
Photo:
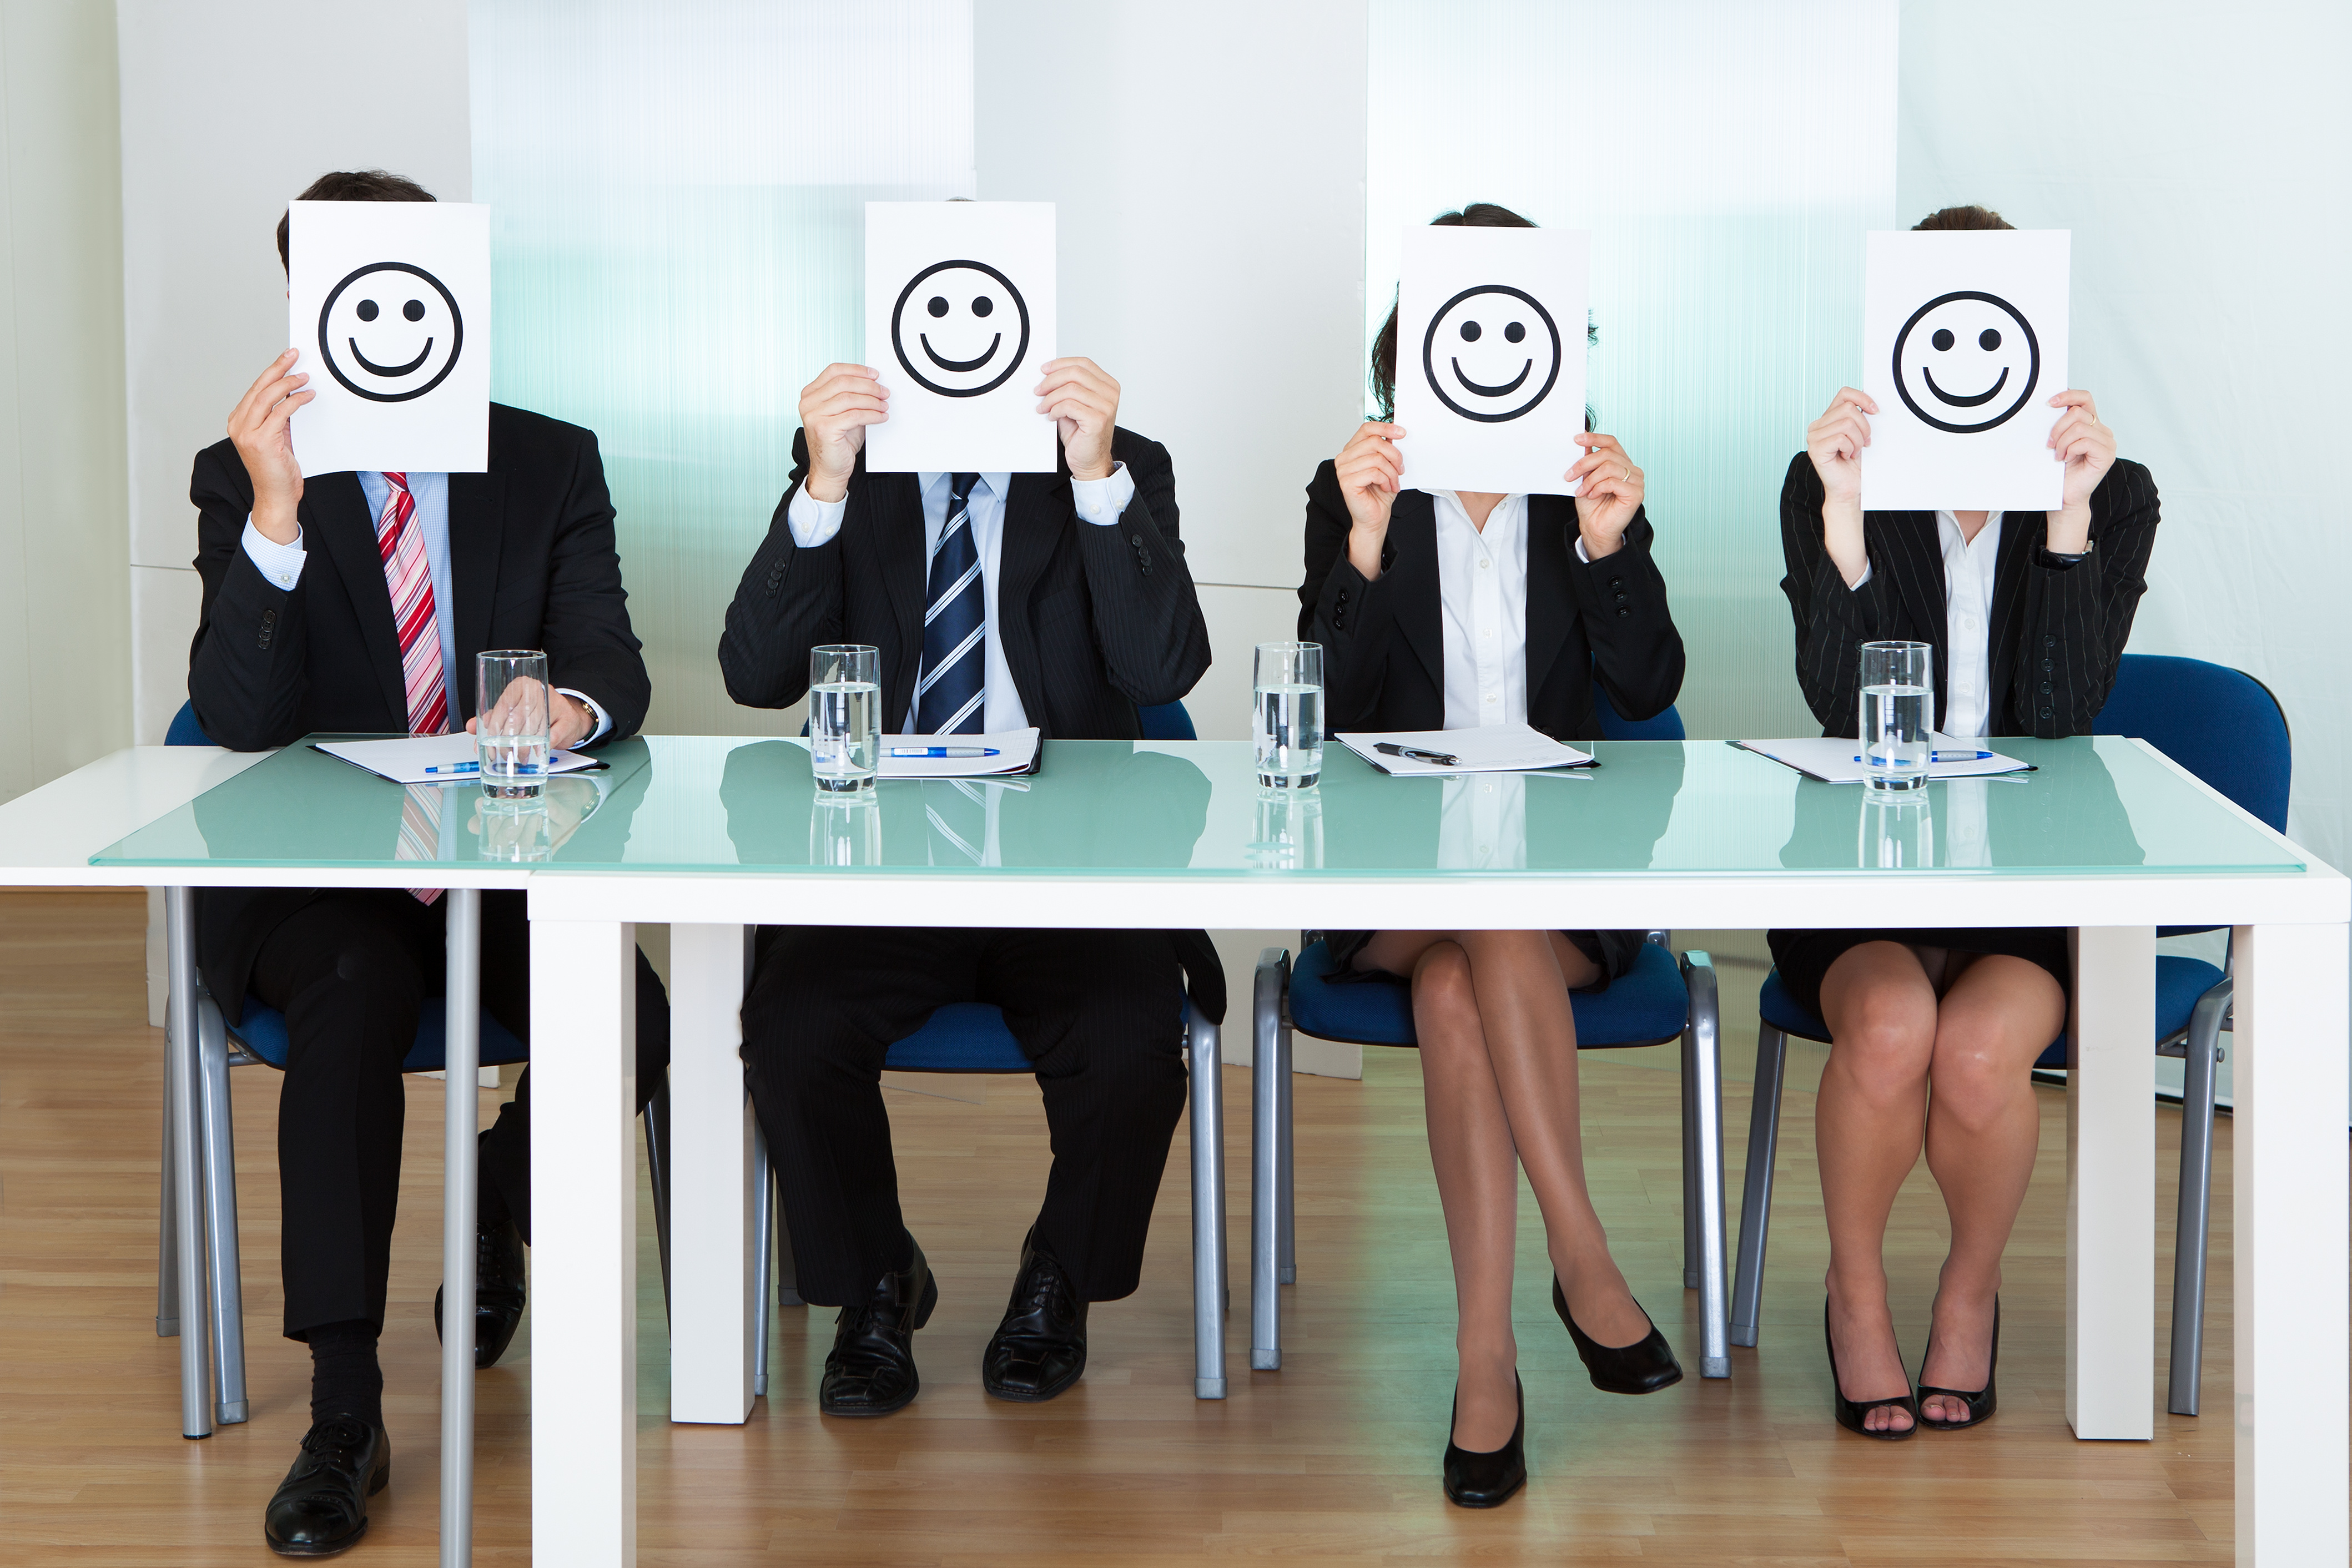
1964, 339
958, 321
1490, 357
389, 303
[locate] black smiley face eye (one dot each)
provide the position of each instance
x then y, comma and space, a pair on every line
1989, 340
1515, 332
365, 311
1943, 337
938, 307
414, 310
1471, 331
983, 305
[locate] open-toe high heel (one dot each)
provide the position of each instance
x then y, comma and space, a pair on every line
1981, 1404
1851, 1412
1486, 1479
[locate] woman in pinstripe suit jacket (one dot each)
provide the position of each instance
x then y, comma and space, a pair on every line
1934, 1032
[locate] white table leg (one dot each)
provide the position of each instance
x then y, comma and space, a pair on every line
710, 1265
2289, 1174
186, 1154
584, 1181
2111, 1185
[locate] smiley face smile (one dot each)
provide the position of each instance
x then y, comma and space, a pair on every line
1487, 317
960, 297
384, 302
1958, 402
390, 371
1506, 390
961, 366
1975, 337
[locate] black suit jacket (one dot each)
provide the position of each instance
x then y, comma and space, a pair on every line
1384, 640
533, 564
2056, 631
1095, 621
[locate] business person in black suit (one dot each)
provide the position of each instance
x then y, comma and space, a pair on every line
1935, 1031
998, 601
1453, 611
357, 602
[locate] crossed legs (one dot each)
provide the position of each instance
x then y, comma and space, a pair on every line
1498, 1074
1934, 1047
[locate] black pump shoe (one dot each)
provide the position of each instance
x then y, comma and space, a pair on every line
1486, 1481
1644, 1366
498, 1290
1040, 1348
1849, 1413
1982, 1404
871, 1370
321, 1507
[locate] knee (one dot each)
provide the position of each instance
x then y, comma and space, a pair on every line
1444, 1002
1884, 1046
380, 971
1973, 1077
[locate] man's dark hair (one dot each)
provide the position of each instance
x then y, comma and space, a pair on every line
1963, 218
351, 185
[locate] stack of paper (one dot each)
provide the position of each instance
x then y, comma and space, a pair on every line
431, 758
912, 755
1491, 749
1840, 761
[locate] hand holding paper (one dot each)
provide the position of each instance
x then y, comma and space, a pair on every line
835, 408
1082, 400
1370, 471
1608, 490
259, 427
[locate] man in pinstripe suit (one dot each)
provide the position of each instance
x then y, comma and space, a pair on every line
997, 602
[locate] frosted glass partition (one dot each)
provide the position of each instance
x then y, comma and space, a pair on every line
1727, 159
678, 193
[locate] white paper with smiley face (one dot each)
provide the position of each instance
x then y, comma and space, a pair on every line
959, 323
1490, 357
1965, 339
389, 303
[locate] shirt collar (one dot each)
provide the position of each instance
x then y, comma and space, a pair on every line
998, 484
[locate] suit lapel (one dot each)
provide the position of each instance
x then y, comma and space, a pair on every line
1552, 598
334, 514
1915, 552
1420, 612
896, 524
1036, 514
476, 529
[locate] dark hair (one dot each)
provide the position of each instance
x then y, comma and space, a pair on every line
351, 185
1970, 218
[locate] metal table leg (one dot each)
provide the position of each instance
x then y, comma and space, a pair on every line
1208, 1091
187, 1174
460, 1127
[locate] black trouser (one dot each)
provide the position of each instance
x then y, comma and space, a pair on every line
1098, 1014
351, 970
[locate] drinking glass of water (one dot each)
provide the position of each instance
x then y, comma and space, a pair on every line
845, 715
512, 711
1287, 720
1898, 692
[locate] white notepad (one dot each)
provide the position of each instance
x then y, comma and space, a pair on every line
430, 759
1490, 749
1840, 761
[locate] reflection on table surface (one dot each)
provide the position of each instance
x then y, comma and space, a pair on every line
712, 803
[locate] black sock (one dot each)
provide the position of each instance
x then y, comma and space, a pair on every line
345, 1377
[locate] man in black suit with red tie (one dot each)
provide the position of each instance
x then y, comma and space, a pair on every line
357, 602
998, 601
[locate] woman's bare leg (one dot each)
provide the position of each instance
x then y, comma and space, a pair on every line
1983, 1128
1879, 1002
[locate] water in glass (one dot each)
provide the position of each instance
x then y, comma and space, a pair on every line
1289, 732
1894, 731
845, 734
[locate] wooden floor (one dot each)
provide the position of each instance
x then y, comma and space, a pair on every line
1332, 1461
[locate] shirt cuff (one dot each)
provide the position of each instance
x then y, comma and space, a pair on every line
281, 564
1859, 583
1579, 550
604, 722
1100, 501
814, 522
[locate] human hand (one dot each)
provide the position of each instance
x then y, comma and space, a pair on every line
517, 712
1610, 495
1084, 401
257, 426
1370, 471
2088, 449
835, 408
1834, 443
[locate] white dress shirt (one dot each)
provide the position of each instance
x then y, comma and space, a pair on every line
283, 564
1482, 591
1968, 623
1098, 501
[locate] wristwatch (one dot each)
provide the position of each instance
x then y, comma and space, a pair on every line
2055, 558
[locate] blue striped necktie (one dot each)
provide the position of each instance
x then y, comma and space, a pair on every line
950, 698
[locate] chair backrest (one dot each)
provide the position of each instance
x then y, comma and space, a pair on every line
1168, 721
1667, 725
2221, 724
185, 730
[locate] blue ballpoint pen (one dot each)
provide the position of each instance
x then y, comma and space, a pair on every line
1934, 756
457, 767
945, 751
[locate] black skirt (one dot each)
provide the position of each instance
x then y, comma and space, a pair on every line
1613, 951
1804, 956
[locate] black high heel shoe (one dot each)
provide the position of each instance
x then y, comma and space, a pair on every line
1486, 1481
1849, 1413
1644, 1366
1982, 1403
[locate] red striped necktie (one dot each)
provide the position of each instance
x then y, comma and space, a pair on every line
409, 578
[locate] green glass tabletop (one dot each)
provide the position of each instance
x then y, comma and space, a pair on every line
712, 803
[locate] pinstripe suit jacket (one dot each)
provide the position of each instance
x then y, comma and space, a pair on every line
2056, 631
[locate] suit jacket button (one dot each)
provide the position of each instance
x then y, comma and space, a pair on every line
2045, 713
269, 618
1617, 582
1621, 599
2049, 641
1343, 596
1136, 540
1622, 610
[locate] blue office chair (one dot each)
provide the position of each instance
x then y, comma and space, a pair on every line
1658, 1002
2225, 727
260, 1037
971, 1037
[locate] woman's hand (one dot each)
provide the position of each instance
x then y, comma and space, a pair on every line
1610, 494
835, 408
1834, 443
1370, 471
2089, 450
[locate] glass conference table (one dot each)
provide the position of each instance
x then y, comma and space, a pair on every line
713, 835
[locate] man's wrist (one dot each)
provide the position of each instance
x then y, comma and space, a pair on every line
821, 488
278, 522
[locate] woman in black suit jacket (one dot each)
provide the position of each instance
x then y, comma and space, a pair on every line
1935, 1031
1403, 635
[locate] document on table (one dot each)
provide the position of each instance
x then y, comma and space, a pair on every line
908, 756
1490, 749
1836, 761
431, 758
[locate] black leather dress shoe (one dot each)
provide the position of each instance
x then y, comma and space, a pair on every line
1644, 1366
320, 1507
1485, 1480
498, 1290
1040, 1348
871, 1371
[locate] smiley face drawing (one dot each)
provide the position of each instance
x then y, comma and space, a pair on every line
391, 331
959, 328
1491, 353
1965, 361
